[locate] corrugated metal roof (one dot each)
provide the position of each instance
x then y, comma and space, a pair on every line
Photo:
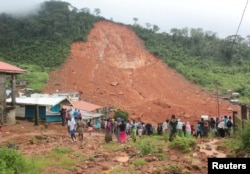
7, 68
82, 105
42, 101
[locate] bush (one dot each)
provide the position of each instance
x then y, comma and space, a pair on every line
146, 149
121, 114
245, 137
11, 161
184, 144
139, 162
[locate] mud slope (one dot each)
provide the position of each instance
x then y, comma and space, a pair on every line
114, 68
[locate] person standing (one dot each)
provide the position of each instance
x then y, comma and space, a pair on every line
179, 127
159, 129
165, 126
90, 126
139, 129
229, 126
193, 131
173, 124
188, 129
221, 129
122, 132
183, 129
213, 127
72, 128
128, 128
80, 127
134, 128
198, 129
98, 125
108, 131
75, 114
63, 112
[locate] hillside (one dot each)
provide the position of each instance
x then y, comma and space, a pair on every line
114, 68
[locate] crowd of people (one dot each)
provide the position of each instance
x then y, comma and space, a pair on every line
122, 129
216, 127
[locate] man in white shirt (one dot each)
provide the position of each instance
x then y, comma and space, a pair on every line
165, 127
72, 128
221, 128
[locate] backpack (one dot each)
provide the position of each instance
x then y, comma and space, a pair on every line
229, 123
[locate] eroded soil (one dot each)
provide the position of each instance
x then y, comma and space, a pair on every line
114, 69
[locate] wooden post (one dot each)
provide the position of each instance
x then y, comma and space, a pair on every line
243, 114
36, 114
2, 97
234, 121
13, 90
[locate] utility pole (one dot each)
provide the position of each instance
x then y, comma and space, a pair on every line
218, 101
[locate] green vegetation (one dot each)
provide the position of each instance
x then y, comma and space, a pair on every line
203, 58
245, 137
11, 162
62, 150
184, 144
121, 114
139, 162
238, 145
41, 42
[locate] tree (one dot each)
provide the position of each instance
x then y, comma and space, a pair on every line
135, 20
97, 11
121, 114
148, 25
155, 28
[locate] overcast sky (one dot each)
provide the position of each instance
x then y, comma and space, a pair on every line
219, 16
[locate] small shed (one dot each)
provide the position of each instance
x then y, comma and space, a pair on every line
48, 107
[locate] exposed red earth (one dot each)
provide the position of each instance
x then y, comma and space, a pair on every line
114, 68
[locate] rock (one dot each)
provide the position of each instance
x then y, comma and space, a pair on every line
105, 166
79, 170
208, 147
150, 158
114, 83
173, 158
196, 167
186, 116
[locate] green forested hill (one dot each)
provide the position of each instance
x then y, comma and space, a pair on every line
41, 42
204, 58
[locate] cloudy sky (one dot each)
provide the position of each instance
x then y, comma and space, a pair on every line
219, 16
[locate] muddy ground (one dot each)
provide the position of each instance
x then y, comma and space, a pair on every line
40, 140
